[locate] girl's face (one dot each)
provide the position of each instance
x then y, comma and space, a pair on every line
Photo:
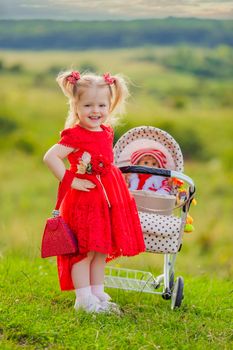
148, 161
93, 107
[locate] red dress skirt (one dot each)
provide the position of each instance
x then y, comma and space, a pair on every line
105, 219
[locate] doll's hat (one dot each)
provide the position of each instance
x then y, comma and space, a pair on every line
155, 153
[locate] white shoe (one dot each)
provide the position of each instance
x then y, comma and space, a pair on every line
111, 307
103, 296
89, 304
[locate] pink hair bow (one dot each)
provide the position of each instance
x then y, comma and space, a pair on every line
73, 77
109, 79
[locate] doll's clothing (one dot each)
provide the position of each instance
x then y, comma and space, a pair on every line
147, 182
105, 219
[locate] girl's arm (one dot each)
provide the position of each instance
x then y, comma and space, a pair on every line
54, 160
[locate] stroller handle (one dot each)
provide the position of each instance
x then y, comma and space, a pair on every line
157, 171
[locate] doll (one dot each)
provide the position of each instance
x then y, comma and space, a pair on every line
152, 158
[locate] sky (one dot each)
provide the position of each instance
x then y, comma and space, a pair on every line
114, 9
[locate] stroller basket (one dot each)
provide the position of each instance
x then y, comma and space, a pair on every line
127, 279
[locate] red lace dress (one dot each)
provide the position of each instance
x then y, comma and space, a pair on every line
105, 219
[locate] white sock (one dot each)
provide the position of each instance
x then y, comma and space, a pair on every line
86, 300
98, 291
83, 292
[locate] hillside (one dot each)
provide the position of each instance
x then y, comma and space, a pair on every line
49, 34
195, 109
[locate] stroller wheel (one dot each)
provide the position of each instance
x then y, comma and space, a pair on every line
171, 281
167, 294
177, 294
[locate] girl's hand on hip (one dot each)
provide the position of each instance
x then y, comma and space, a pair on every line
82, 185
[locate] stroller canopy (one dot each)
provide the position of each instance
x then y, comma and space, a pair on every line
144, 137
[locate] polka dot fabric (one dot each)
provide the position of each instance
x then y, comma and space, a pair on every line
161, 233
151, 133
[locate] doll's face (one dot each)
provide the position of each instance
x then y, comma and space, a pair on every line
148, 161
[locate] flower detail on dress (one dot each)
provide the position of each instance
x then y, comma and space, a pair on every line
100, 165
84, 163
96, 165
86, 157
73, 77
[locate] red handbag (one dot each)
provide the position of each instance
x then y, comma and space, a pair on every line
58, 238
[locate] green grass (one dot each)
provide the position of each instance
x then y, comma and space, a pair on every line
34, 314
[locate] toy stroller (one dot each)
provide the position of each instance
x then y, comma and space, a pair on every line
162, 227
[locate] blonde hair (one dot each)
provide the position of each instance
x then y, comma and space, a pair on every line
118, 92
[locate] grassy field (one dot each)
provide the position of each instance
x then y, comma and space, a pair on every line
197, 111
35, 315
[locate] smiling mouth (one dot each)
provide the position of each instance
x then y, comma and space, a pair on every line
94, 117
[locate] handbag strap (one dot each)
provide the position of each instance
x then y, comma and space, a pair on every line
63, 187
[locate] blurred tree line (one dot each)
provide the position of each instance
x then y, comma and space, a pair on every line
50, 34
216, 63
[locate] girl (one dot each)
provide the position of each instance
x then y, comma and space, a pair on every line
98, 206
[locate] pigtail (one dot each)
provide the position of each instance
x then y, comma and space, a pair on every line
69, 88
120, 94
65, 84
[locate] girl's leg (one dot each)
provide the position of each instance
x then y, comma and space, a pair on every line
97, 283
97, 268
97, 276
80, 274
